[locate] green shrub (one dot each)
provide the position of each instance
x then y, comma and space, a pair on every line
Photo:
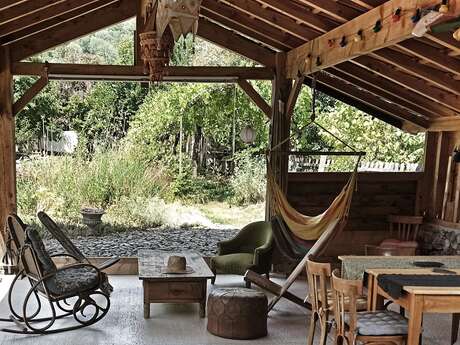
248, 182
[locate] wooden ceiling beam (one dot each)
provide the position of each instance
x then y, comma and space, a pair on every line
405, 95
340, 92
55, 21
372, 100
255, 97
300, 14
236, 43
432, 54
25, 8
252, 27
43, 14
445, 124
136, 73
293, 95
273, 18
410, 82
298, 58
410, 64
75, 28
30, 94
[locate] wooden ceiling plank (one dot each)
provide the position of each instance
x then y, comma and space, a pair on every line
43, 14
387, 36
73, 29
238, 44
252, 27
300, 14
274, 18
411, 65
8, 3
333, 9
432, 54
386, 85
375, 90
58, 20
24, 8
255, 97
408, 81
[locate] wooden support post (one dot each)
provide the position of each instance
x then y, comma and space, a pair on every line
280, 127
30, 94
293, 95
255, 97
7, 145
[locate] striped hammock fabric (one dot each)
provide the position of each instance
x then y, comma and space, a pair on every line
311, 227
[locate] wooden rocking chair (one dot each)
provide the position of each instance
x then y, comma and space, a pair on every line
74, 290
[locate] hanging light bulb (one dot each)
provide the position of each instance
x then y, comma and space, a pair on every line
444, 8
359, 36
456, 34
248, 135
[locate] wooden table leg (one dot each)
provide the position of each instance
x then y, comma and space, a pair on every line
370, 291
415, 319
377, 300
203, 300
146, 310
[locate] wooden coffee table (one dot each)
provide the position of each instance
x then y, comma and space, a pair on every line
173, 288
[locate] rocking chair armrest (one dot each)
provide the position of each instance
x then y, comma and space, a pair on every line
108, 263
261, 251
65, 255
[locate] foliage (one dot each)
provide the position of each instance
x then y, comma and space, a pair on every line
248, 182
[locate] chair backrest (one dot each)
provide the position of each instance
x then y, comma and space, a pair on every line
371, 250
345, 294
255, 235
405, 228
60, 236
318, 276
16, 237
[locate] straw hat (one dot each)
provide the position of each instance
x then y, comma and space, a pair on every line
177, 265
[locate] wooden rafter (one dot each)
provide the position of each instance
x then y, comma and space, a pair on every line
42, 14
304, 58
227, 39
25, 8
75, 28
403, 94
30, 94
55, 21
293, 95
136, 73
256, 98
408, 81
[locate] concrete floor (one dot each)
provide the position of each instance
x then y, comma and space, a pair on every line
180, 324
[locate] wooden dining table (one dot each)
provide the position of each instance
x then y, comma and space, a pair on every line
415, 299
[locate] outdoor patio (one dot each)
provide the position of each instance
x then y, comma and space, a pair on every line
172, 324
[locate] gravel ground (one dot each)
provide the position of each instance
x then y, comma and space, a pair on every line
202, 240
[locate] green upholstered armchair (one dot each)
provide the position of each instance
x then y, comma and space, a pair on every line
251, 249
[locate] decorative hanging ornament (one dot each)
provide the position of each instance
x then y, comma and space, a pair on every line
396, 17
248, 135
180, 15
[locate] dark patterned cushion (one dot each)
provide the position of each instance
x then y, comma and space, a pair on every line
73, 280
380, 323
45, 261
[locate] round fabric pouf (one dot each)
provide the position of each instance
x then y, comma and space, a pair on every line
237, 313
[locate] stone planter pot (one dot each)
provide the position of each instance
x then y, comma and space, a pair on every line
92, 218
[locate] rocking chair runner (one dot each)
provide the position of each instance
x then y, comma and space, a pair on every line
81, 282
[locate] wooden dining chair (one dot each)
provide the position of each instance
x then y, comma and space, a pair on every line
367, 327
404, 231
320, 298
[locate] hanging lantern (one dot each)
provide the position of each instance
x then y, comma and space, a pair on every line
248, 135
180, 15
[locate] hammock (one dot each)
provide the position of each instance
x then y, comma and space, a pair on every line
311, 227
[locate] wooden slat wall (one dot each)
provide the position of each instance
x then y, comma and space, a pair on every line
377, 195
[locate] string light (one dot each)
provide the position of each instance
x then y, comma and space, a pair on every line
416, 17
359, 36
318, 61
343, 42
377, 26
397, 15
444, 8
331, 43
